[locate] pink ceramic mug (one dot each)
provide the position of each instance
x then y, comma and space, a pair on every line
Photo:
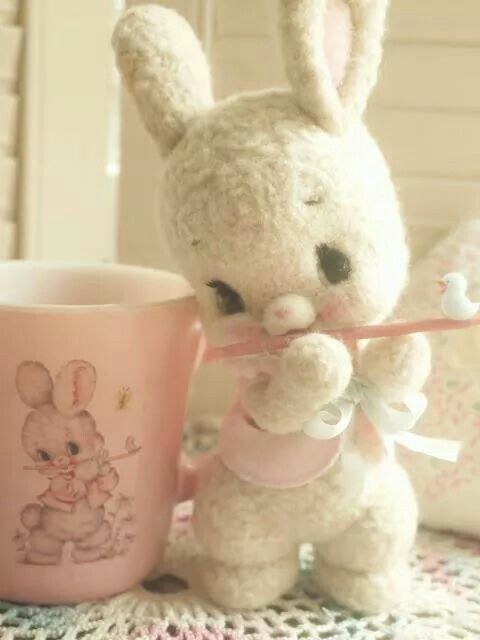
95, 365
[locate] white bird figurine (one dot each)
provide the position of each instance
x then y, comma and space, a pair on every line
455, 303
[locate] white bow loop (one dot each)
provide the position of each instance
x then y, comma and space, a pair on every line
393, 422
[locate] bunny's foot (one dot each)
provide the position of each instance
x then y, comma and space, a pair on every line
81, 555
366, 567
249, 586
91, 548
35, 557
31, 516
366, 592
43, 548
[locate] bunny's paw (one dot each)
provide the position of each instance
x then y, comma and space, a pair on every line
313, 370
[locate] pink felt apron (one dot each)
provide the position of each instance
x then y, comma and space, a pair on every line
273, 460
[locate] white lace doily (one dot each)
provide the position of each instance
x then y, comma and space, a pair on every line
444, 605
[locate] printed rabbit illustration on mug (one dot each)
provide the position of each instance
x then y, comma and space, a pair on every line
61, 437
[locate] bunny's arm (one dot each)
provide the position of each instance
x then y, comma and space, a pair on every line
87, 470
108, 478
313, 371
396, 366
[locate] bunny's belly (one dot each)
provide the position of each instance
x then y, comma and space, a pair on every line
81, 522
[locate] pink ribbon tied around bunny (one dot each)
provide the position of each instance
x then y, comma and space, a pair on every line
392, 422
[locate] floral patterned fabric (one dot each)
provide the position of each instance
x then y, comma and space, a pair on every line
448, 494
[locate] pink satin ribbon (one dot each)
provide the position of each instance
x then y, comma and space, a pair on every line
270, 460
268, 344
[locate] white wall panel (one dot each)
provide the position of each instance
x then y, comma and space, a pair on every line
238, 64
10, 48
446, 21
8, 186
9, 10
9, 6
432, 207
11, 40
430, 77
439, 203
68, 207
9, 108
444, 145
252, 18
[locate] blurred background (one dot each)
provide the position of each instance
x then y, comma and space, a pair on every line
78, 173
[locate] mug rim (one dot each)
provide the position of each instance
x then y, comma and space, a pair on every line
94, 267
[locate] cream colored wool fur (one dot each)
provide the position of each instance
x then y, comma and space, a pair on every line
251, 188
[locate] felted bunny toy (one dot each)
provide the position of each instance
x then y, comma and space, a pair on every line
282, 213
61, 437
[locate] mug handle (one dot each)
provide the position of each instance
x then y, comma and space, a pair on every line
189, 468
189, 471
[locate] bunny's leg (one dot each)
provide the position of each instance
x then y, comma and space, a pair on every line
366, 568
44, 549
248, 586
90, 548
250, 557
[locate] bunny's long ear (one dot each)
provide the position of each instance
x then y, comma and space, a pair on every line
74, 387
34, 384
311, 53
163, 65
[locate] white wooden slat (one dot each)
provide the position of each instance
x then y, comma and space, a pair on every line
428, 144
237, 67
245, 18
66, 185
8, 18
9, 6
452, 21
8, 184
9, 107
9, 11
10, 47
7, 239
430, 76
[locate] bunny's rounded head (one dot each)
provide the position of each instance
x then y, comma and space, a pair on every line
59, 432
278, 205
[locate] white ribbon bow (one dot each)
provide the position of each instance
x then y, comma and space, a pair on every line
392, 423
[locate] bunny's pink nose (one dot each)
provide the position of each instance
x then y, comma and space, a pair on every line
288, 313
282, 313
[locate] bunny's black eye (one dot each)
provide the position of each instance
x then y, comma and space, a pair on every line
73, 448
334, 263
43, 455
229, 301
